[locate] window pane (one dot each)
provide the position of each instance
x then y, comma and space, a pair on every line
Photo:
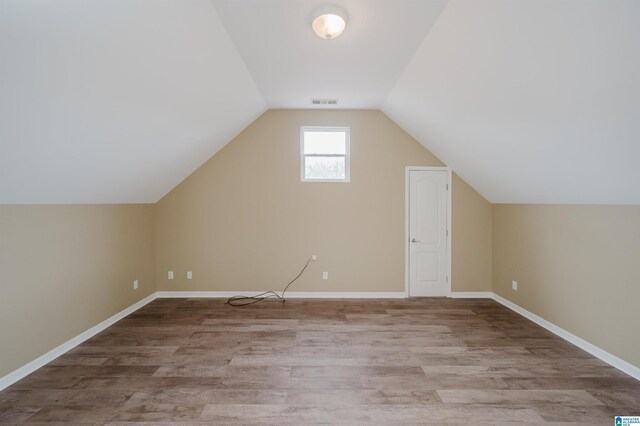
325, 143
324, 168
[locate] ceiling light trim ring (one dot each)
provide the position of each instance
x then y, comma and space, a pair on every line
329, 21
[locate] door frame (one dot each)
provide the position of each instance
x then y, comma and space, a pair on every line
408, 169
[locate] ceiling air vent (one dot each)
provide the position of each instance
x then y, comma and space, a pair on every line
324, 101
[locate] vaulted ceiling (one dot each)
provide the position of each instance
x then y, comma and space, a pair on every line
117, 101
114, 101
291, 65
530, 101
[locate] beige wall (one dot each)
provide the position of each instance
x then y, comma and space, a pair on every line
67, 268
245, 221
471, 239
576, 266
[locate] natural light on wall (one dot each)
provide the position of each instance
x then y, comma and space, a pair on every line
324, 154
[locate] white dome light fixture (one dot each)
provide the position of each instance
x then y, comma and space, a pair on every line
329, 21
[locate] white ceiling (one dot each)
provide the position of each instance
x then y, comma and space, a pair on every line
114, 101
117, 101
531, 101
291, 65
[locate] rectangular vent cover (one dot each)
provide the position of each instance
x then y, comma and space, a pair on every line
324, 101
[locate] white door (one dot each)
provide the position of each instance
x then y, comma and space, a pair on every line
428, 266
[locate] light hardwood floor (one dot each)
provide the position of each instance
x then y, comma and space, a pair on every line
306, 361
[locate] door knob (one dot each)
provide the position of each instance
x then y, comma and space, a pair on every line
413, 240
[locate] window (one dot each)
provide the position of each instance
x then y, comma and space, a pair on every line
324, 154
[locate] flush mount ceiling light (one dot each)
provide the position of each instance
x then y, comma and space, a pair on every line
329, 21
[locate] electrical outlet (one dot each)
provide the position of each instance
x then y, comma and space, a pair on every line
325, 275
314, 257
135, 284
514, 285
170, 275
189, 275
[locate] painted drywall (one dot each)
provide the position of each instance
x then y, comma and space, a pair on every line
114, 101
66, 268
244, 221
284, 59
576, 266
471, 248
527, 99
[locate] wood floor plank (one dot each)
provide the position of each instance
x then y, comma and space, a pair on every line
139, 383
587, 414
519, 397
433, 383
372, 414
155, 412
209, 396
86, 349
65, 397
337, 397
426, 361
170, 360
78, 414
11, 413
627, 384
56, 372
356, 371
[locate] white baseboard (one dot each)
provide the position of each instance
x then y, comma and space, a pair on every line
471, 295
605, 356
291, 295
29, 368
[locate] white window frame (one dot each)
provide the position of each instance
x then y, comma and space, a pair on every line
346, 155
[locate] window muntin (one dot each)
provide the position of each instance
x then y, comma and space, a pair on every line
324, 154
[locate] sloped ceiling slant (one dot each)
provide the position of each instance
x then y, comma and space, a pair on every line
114, 101
291, 65
530, 101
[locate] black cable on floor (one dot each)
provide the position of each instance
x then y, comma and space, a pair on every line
250, 300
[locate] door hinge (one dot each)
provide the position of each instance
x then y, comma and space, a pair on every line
447, 187
447, 232
447, 278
